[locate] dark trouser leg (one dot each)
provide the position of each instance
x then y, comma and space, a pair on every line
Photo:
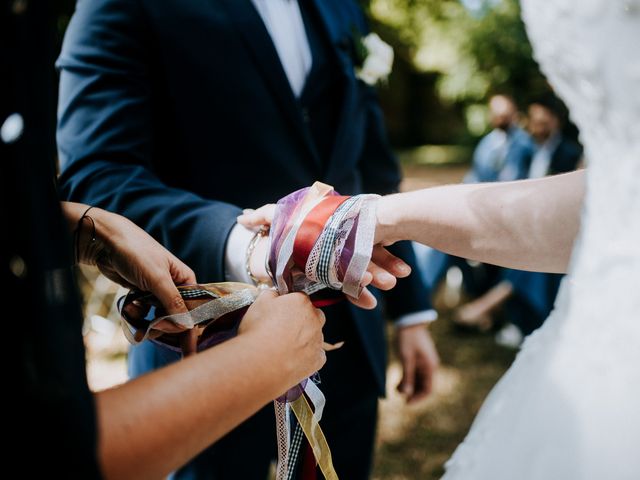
533, 299
350, 415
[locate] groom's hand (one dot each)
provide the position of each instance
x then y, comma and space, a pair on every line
382, 272
420, 361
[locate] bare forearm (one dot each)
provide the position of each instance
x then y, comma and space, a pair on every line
529, 225
156, 423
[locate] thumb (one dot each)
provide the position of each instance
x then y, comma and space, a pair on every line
406, 385
181, 274
265, 296
168, 294
257, 310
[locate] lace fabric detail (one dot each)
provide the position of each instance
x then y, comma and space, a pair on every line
568, 406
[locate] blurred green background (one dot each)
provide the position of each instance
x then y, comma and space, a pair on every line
451, 55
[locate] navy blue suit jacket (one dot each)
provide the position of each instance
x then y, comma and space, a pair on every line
177, 114
566, 157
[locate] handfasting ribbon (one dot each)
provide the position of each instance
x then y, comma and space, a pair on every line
284, 466
319, 240
282, 247
215, 311
316, 243
312, 227
318, 228
316, 438
364, 237
317, 399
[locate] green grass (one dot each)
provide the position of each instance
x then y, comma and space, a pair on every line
435, 155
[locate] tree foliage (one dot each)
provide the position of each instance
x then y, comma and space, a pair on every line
475, 52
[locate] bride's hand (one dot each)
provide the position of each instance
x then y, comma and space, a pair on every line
382, 272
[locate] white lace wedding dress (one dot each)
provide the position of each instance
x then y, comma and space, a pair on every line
569, 407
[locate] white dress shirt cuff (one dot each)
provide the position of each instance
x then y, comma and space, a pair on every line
235, 255
417, 318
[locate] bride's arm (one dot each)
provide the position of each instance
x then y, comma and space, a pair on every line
528, 225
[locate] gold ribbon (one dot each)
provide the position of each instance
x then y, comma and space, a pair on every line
316, 438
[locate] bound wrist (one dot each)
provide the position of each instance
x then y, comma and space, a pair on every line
386, 228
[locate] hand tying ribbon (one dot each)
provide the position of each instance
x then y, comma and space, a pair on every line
320, 241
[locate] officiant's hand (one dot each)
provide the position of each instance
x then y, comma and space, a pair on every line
129, 256
291, 327
420, 361
382, 272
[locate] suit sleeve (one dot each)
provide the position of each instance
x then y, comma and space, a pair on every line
105, 137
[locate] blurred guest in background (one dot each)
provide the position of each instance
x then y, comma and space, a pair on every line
528, 297
555, 152
504, 154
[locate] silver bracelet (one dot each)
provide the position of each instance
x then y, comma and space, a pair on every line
262, 232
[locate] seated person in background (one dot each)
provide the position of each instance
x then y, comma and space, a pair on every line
555, 152
528, 297
504, 154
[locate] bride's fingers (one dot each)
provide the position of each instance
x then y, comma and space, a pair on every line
367, 278
389, 262
381, 278
257, 218
366, 300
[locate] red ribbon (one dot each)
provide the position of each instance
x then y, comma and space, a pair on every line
308, 463
311, 228
308, 235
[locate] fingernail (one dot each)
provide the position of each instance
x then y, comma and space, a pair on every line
248, 210
385, 277
403, 267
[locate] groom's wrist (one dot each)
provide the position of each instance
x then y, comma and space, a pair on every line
235, 254
239, 254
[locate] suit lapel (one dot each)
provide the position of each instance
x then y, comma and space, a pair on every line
339, 41
257, 39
